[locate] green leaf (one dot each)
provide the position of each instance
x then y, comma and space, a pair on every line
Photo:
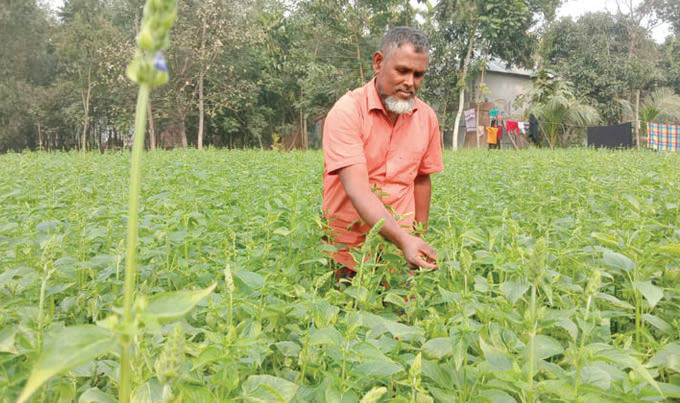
94, 395
667, 357
481, 284
248, 279
513, 290
326, 336
267, 388
373, 395
598, 377
546, 347
7, 337
395, 299
288, 348
570, 327
151, 391
438, 348
196, 393
382, 368
65, 349
498, 360
172, 305
614, 301
673, 249
657, 322
617, 261
282, 231
652, 293
497, 396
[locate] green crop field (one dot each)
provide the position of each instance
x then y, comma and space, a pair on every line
559, 281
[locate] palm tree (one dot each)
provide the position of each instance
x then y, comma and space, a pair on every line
560, 113
660, 106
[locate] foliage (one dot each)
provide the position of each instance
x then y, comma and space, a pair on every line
559, 113
246, 73
660, 106
515, 312
594, 53
463, 30
26, 65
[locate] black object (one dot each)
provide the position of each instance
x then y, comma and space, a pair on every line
617, 136
533, 129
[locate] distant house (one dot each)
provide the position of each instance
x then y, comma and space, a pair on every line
504, 85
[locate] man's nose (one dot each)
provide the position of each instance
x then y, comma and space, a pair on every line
409, 80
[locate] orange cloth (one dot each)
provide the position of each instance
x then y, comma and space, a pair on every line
358, 130
491, 135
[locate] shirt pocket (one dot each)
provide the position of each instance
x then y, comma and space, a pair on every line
403, 167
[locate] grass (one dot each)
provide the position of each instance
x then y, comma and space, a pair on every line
512, 315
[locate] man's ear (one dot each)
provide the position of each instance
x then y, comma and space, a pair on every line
378, 60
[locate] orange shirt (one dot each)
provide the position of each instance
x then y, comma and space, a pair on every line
358, 130
491, 135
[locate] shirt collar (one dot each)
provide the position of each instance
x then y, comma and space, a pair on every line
374, 101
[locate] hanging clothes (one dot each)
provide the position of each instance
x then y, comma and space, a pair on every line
663, 137
616, 136
533, 129
470, 120
511, 126
501, 132
492, 135
524, 128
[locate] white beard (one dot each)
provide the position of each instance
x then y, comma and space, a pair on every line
399, 106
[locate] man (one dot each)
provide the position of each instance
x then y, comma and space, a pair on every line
381, 135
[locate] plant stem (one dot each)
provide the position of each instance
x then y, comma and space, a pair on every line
131, 256
41, 315
532, 346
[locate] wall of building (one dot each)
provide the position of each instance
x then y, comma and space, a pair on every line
503, 88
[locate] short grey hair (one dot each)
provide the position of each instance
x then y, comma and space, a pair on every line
398, 36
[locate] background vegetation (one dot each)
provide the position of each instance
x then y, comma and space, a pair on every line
251, 73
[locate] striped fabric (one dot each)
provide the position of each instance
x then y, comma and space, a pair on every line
663, 137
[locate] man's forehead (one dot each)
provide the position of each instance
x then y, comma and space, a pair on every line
407, 56
404, 48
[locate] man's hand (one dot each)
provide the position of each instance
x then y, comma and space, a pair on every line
418, 253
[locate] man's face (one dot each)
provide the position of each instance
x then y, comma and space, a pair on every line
399, 75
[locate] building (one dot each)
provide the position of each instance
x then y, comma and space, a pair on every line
502, 87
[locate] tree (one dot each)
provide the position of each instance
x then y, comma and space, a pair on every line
558, 111
84, 32
594, 53
489, 28
26, 71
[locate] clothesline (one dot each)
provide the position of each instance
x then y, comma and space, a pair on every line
569, 124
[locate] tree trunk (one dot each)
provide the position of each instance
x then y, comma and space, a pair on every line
461, 82
199, 138
443, 121
201, 76
361, 69
637, 119
40, 139
454, 141
152, 129
477, 131
183, 133
86, 106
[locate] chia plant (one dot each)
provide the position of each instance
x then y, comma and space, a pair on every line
148, 69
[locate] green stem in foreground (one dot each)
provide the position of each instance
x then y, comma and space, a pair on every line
131, 256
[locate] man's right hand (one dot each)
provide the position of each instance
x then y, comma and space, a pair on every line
418, 253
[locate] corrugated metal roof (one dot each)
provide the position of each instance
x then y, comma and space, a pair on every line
499, 66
